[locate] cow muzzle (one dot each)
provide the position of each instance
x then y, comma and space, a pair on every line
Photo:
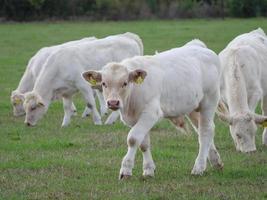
113, 104
28, 124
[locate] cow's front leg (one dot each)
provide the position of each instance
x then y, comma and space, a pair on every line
134, 140
148, 163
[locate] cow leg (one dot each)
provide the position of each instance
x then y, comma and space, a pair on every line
206, 134
87, 93
112, 117
86, 112
264, 110
102, 103
214, 157
135, 138
67, 105
193, 118
148, 163
180, 124
73, 109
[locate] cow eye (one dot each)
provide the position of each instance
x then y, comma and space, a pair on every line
104, 84
124, 84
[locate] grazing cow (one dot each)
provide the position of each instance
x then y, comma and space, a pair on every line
61, 74
33, 70
244, 84
169, 84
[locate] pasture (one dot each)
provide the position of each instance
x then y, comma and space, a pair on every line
82, 161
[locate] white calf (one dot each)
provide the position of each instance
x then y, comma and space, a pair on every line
244, 84
61, 75
169, 84
33, 69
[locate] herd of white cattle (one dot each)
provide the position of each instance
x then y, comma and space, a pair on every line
190, 81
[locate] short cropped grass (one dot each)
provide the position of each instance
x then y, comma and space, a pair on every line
82, 161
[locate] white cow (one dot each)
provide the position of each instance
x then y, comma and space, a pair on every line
33, 69
169, 84
244, 84
61, 74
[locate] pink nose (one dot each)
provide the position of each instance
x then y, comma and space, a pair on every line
113, 104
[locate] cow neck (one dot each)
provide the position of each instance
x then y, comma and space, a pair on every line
26, 83
44, 87
237, 94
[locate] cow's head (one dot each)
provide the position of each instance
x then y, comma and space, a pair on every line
17, 100
243, 129
34, 108
116, 81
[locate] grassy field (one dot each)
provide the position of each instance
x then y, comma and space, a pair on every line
82, 161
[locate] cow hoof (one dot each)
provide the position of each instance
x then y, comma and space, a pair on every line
85, 115
64, 124
124, 177
149, 170
198, 170
149, 173
219, 166
74, 113
98, 123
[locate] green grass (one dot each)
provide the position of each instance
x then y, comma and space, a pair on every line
82, 161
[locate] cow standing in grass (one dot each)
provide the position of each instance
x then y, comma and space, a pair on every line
33, 70
244, 84
61, 74
169, 84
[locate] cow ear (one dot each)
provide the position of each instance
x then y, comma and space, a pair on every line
93, 77
17, 100
137, 76
40, 104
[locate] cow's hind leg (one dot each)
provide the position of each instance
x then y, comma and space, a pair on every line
148, 163
264, 110
67, 105
86, 112
73, 109
112, 117
87, 93
214, 157
206, 134
102, 103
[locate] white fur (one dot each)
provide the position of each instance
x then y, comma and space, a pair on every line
244, 84
61, 74
178, 81
33, 70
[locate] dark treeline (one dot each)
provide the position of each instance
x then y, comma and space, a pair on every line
28, 10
